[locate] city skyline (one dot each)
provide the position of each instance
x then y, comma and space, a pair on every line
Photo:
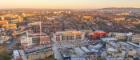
68, 4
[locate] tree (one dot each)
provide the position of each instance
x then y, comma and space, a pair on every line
4, 54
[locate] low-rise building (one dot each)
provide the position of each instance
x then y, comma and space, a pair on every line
69, 35
97, 35
68, 38
19, 55
119, 36
30, 39
25, 42
119, 19
87, 18
41, 55
123, 14
10, 26
136, 38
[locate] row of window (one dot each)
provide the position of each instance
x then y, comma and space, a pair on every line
68, 37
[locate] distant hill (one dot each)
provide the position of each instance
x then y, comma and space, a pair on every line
135, 10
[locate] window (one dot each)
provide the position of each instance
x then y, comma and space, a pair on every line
35, 40
70, 37
78, 37
64, 37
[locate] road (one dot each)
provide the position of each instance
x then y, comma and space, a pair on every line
11, 43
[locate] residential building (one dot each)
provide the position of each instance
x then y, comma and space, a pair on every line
97, 35
87, 18
136, 38
30, 39
119, 36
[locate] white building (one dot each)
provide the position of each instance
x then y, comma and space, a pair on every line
69, 35
19, 55
119, 36
28, 39
69, 38
25, 41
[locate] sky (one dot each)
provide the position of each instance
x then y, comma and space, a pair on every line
68, 4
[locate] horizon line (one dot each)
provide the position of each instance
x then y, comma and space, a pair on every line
70, 8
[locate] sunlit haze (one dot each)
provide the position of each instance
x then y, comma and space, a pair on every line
74, 4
